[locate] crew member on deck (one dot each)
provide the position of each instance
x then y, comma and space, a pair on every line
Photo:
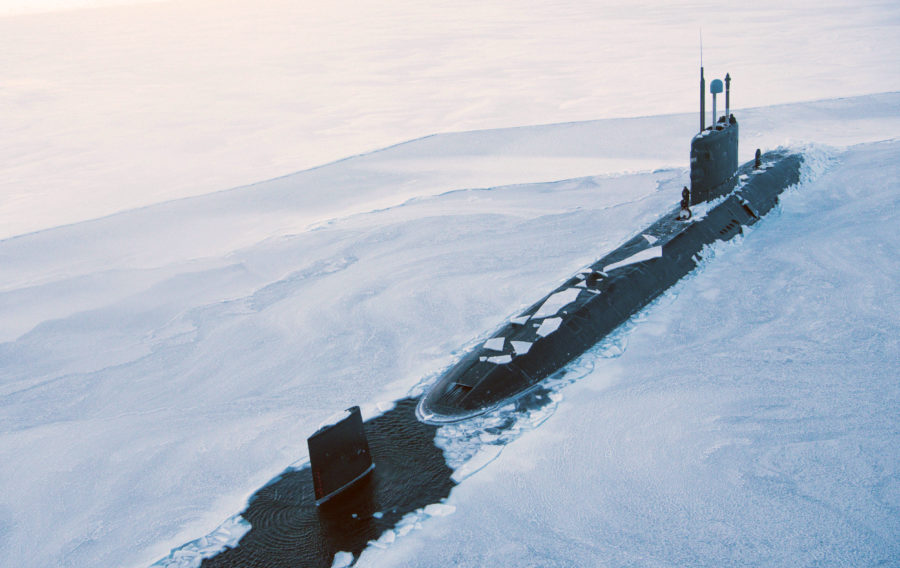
685, 213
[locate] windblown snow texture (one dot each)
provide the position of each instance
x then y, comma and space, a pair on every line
159, 365
747, 418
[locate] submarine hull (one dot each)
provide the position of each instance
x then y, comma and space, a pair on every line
591, 304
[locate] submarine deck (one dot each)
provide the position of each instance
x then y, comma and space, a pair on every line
592, 303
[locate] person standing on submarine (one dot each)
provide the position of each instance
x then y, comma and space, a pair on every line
685, 213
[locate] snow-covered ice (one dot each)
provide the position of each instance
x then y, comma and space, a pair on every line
333, 419
151, 384
439, 510
342, 559
548, 326
157, 382
125, 105
521, 347
228, 534
158, 365
751, 420
485, 455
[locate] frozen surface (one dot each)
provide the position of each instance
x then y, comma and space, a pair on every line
227, 534
334, 419
159, 365
120, 106
149, 386
752, 419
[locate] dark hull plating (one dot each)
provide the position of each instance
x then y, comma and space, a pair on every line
590, 305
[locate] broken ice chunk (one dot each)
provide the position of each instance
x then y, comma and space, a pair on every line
548, 326
556, 302
484, 456
521, 347
439, 510
342, 559
495, 343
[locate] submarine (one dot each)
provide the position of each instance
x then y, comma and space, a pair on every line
365, 478
723, 198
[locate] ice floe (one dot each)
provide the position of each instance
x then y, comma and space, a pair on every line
556, 302
548, 326
342, 559
521, 347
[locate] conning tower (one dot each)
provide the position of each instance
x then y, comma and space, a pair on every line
714, 150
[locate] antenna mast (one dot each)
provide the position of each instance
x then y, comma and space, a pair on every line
702, 88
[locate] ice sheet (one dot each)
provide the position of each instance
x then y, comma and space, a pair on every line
751, 419
158, 366
117, 107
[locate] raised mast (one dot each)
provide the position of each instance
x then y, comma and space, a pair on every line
727, 96
702, 101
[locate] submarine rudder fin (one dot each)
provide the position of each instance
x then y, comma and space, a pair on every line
339, 455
